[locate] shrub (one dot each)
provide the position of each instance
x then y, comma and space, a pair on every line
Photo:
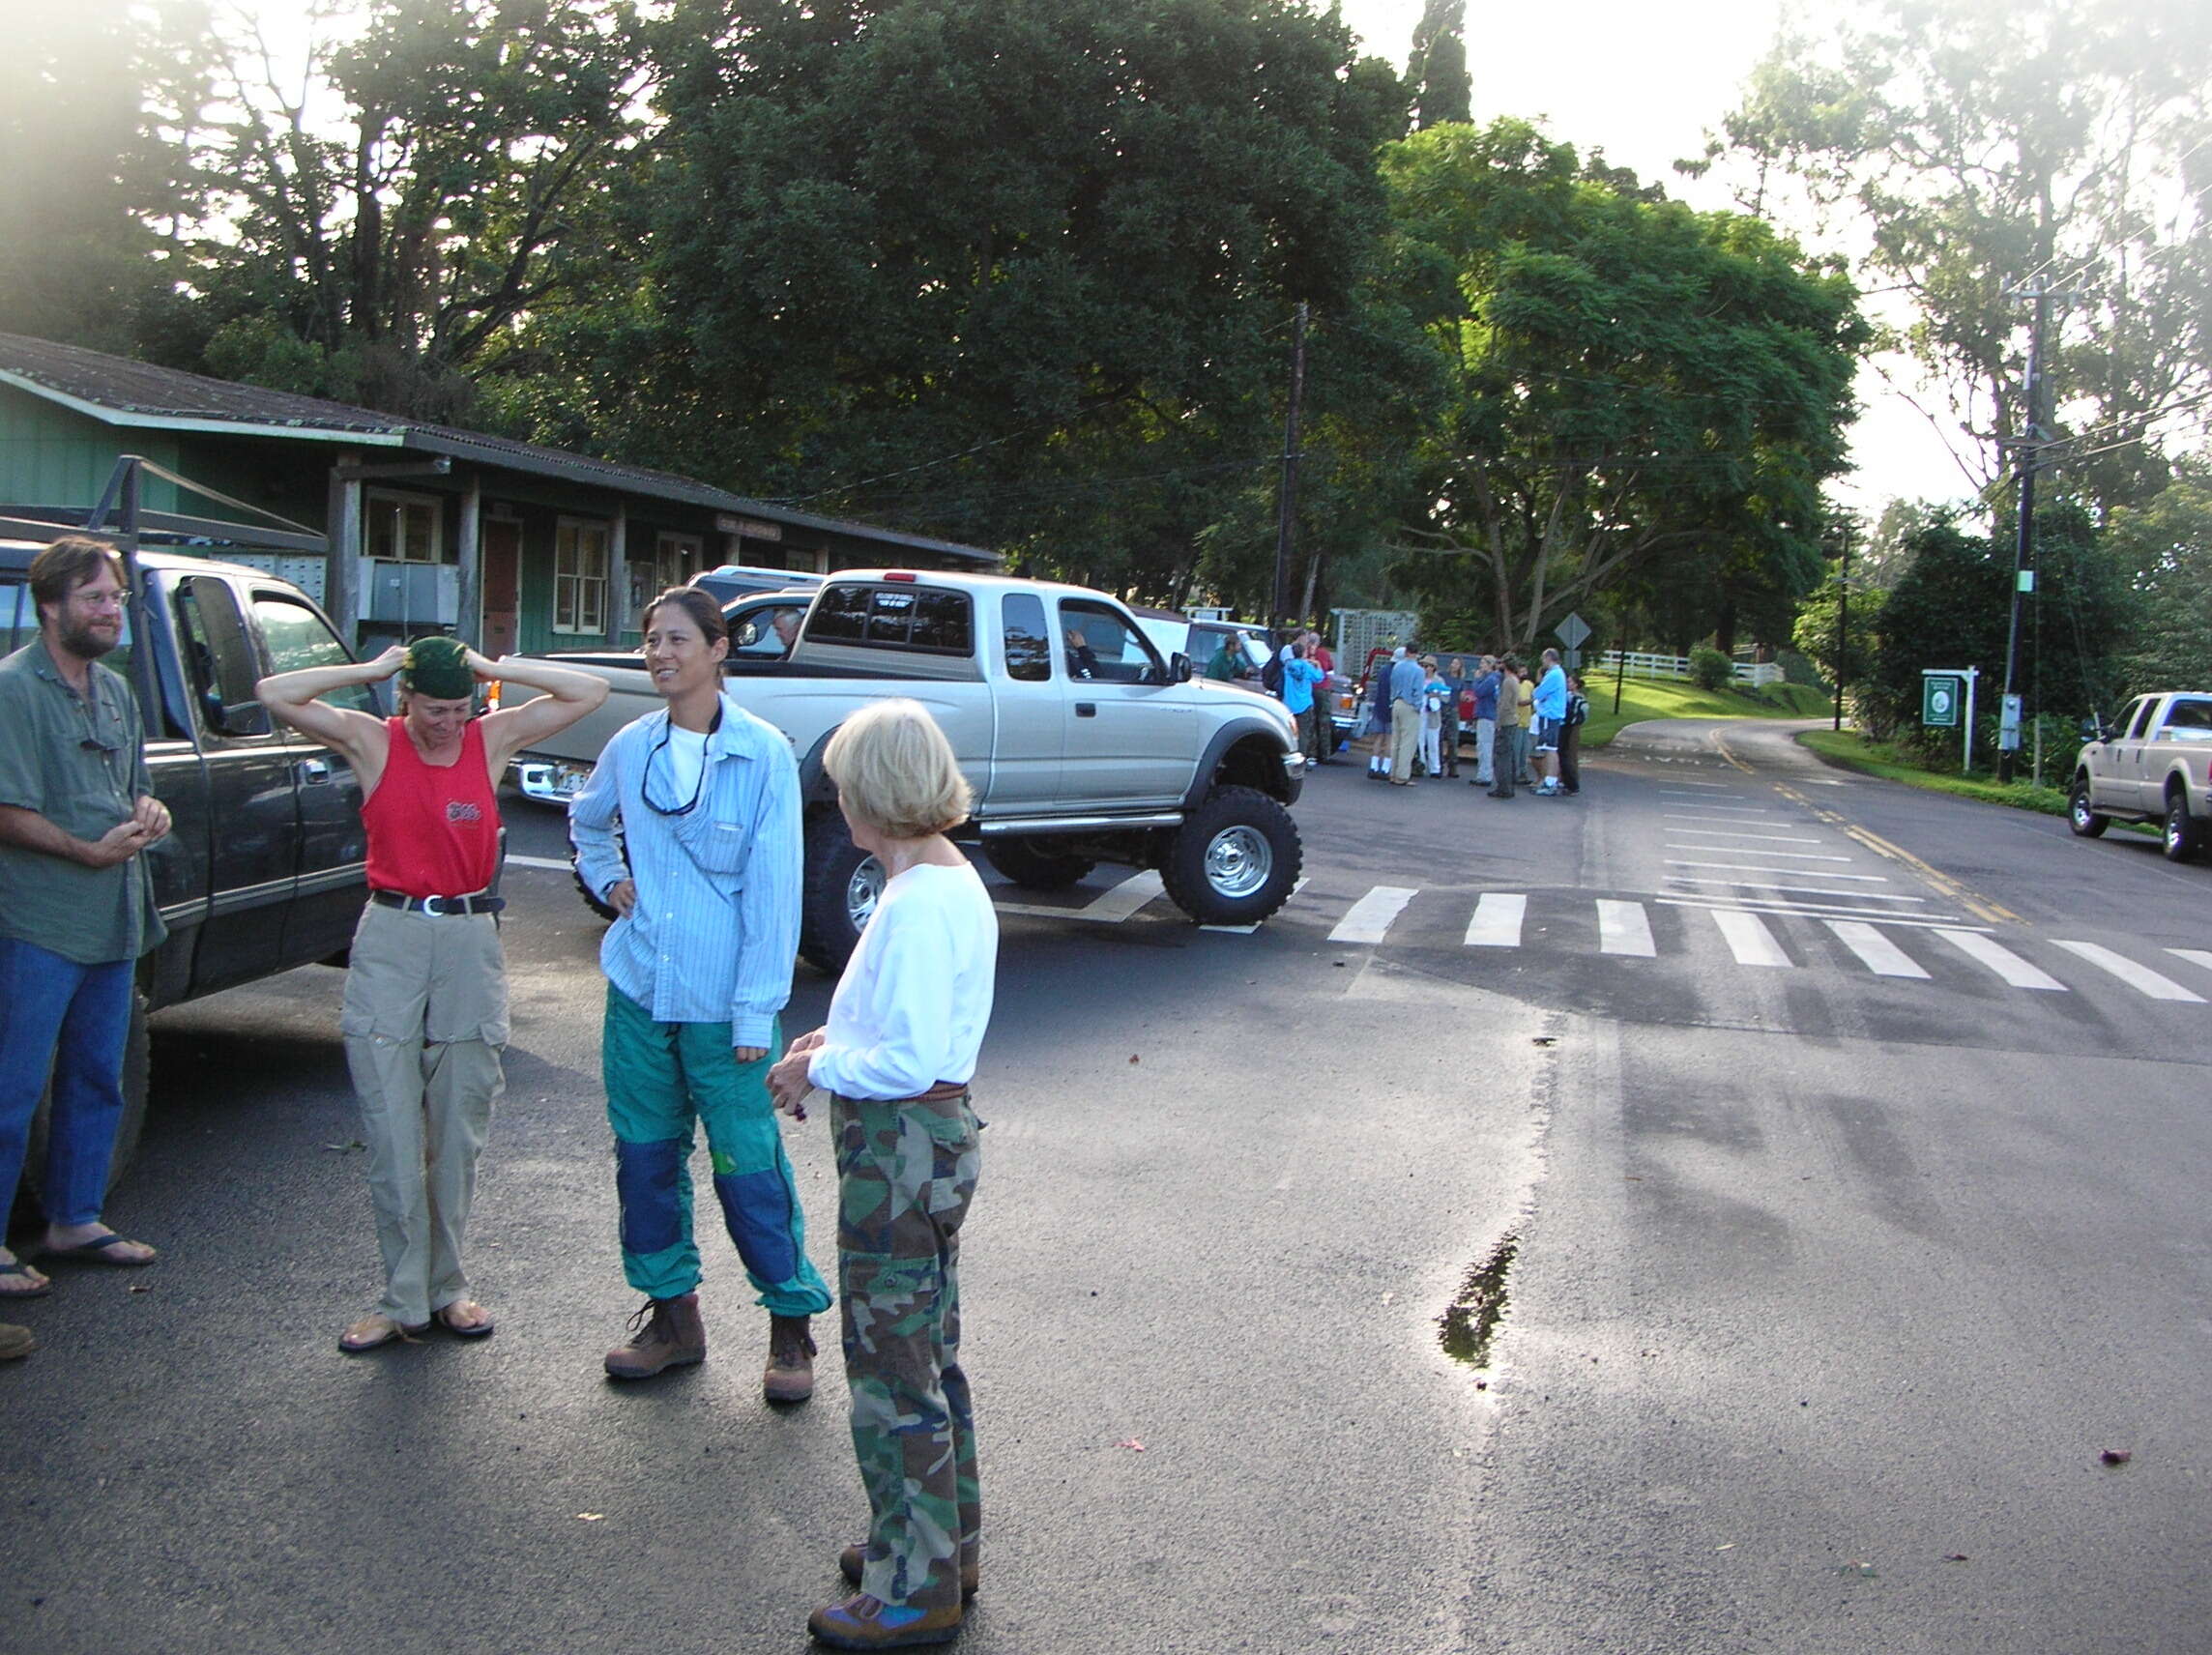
1709, 669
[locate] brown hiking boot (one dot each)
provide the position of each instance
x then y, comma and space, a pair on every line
850, 1559
664, 1333
864, 1622
790, 1375
15, 1342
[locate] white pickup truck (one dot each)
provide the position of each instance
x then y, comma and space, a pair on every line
1082, 743
2154, 764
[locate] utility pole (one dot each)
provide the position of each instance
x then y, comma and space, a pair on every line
2029, 450
1287, 501
1843, 621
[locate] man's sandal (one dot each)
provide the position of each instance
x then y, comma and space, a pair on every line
36, 1285
457, 1319
100, 1250
374, 1331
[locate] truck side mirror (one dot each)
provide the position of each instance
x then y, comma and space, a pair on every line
1179, 668
244, 719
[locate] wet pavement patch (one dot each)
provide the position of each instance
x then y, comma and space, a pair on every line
1470, 1321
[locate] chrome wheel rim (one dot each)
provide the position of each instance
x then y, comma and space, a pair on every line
862, 891
1239, 862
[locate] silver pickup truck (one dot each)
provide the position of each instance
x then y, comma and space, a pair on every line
2154, 764
1082, 743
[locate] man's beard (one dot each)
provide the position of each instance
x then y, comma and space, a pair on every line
82, 642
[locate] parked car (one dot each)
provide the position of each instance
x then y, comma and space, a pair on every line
742, 580
2154, 764
754, 640
264, 868
1084, 743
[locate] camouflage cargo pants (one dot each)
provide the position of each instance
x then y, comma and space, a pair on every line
906, 1173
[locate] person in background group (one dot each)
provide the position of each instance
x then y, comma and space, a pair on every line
1434, 694
425, 1014
898, 1057
1571, 736
1550, 700
1485, 687
1378, 727
705, 880
1526, 740
1455, 687
1409, 680
1506, 762
1325, 716
77, 904
1300, 677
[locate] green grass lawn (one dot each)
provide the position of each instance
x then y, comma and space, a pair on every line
1643, 698
1854, 751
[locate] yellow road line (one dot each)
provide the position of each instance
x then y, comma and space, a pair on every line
1982, 907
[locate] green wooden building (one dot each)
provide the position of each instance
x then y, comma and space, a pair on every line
511, 546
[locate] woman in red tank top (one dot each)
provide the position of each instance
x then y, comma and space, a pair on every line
425, 1019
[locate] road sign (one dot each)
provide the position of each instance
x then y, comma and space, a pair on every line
1572, 632
1941, 696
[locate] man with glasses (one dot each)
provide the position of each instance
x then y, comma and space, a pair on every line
425, 1018
77, 904
705, 878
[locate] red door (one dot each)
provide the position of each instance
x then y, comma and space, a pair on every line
502, 587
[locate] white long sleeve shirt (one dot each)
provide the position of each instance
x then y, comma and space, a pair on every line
911, 1009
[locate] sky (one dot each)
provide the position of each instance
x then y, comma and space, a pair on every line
1646, 83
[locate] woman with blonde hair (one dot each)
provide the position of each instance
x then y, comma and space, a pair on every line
897, 1056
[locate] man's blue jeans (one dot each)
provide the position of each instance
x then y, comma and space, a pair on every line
72, 1020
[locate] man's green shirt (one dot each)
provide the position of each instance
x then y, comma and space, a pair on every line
80, 762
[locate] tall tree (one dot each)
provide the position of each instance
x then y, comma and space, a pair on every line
389, 257
1636, 389
1437, 71
1987, 144
1014, 274
97, 102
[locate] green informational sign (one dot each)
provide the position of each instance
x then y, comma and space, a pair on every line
1939, 697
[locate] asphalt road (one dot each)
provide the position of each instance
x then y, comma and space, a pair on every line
1824, 1285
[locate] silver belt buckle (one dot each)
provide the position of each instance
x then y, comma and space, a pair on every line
433, 906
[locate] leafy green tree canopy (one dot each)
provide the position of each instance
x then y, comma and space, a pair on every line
1635, 388
1988, 144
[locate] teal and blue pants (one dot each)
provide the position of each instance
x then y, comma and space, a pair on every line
660, 1078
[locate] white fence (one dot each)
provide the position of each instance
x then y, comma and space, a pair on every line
1642, 663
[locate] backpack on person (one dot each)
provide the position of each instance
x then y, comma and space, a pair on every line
1578, 711
1271, 674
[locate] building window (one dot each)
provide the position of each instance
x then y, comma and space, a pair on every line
677, 557
403, 528
580, 576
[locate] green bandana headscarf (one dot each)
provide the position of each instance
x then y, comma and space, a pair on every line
438, 670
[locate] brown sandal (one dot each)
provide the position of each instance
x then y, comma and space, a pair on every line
371, 1332
475, 1327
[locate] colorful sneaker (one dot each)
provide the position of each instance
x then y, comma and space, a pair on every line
864, 1622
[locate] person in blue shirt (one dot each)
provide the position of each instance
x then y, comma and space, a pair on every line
706, 879
1299, 675
1550, 707
1485, 687
1409, 682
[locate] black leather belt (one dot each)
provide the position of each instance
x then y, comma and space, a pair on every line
438, 906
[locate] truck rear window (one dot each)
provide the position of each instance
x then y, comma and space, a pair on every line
19, 622
926, 620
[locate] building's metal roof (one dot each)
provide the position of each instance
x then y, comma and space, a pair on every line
118, 392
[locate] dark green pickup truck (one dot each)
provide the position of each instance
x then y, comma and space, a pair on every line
265, 868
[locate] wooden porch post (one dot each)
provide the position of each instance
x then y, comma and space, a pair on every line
341, 524
618, 577
468, 625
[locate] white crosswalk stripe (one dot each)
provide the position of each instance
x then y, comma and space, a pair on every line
1748, 939
2195, 956
1370, 917
2001, 960
1496, 921
2137, 976
1873, 947
1624, 928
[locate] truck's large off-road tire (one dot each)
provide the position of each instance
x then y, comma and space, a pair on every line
2183, 836
136, 1071
843, 883
1234, 859
1033, 864
2087, 823
592, 902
